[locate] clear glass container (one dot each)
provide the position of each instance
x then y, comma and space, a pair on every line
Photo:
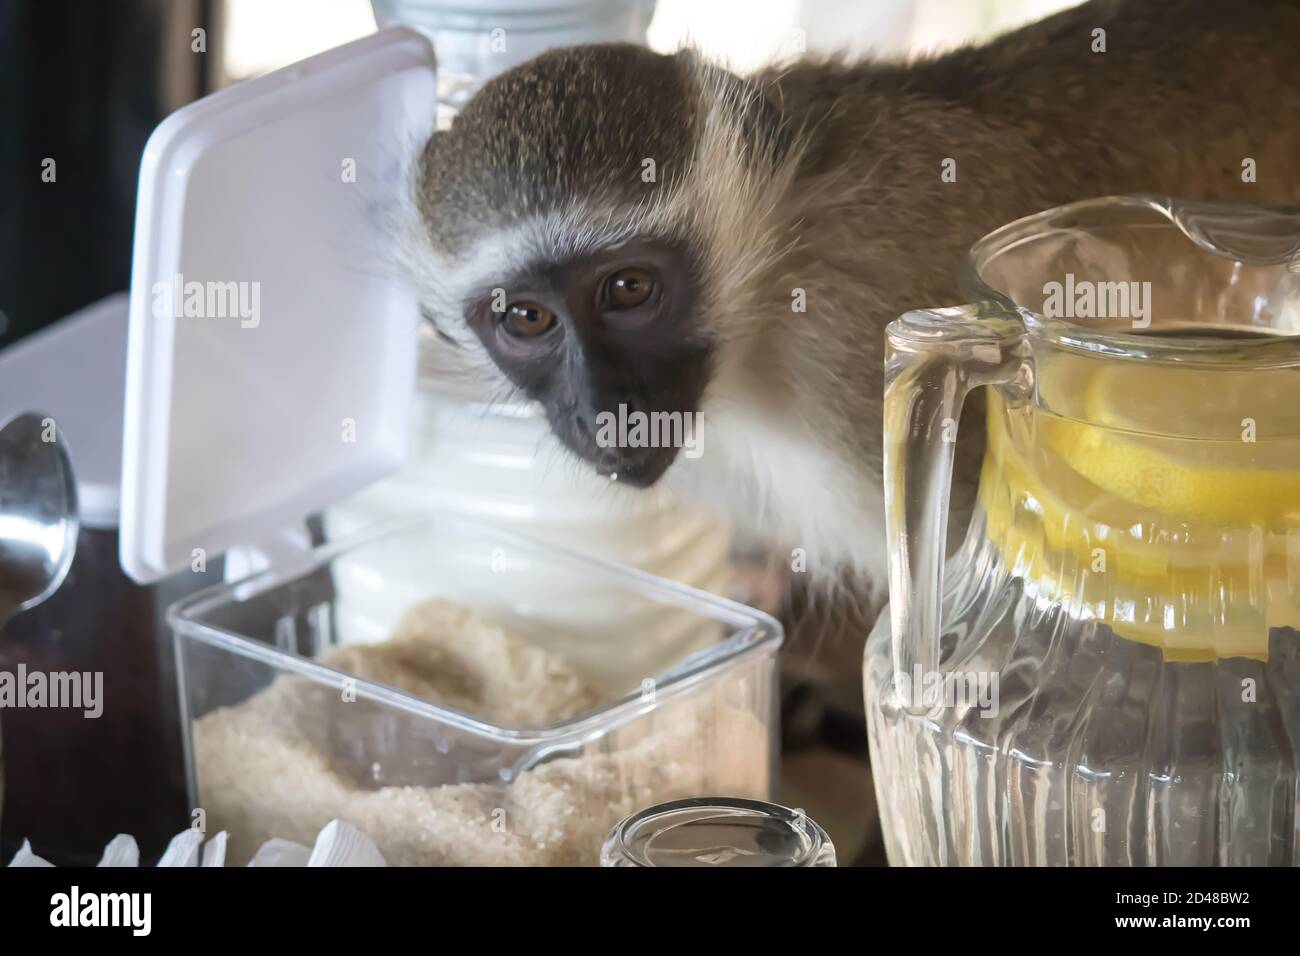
278, 743
1108, 670
717, 832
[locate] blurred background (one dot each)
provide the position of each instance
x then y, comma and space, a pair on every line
86, 81
83, 84
264, 34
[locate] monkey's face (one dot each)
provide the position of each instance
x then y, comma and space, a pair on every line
575, 224
603, 341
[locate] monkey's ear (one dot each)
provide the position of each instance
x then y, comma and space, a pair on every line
431, 146
428, 163
748, 103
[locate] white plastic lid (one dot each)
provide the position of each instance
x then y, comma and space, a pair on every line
271, 355
75, 371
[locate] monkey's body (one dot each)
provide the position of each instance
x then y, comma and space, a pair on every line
821, 186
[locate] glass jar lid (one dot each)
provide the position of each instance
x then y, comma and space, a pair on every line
718, 831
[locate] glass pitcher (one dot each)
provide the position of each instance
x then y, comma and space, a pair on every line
1107, 670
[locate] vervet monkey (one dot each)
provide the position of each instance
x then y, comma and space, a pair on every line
607, 226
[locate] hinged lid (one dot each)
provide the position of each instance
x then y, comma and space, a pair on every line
271, 355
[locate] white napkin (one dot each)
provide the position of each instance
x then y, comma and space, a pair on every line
341, 844
183, 850
122, 850
280, 853
338, 844
25, 857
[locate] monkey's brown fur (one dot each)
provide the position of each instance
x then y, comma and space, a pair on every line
825, 176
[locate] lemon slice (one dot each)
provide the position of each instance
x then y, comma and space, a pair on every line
1220, 447
1179, 543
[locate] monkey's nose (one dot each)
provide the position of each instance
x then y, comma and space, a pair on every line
640, 467
607, 464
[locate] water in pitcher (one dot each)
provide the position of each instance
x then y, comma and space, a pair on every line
1130, 590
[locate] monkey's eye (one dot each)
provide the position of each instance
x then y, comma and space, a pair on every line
629, 288
528, 319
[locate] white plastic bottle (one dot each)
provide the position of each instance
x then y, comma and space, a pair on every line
477, 39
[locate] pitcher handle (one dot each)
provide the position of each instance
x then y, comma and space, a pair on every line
933, 358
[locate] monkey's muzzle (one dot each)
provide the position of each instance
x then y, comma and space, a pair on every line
638, 467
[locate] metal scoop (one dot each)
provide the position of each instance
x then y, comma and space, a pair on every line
38, 512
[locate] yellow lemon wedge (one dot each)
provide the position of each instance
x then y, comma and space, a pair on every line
1157, 511
1218, 447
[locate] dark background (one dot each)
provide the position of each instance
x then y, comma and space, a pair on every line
84, 82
